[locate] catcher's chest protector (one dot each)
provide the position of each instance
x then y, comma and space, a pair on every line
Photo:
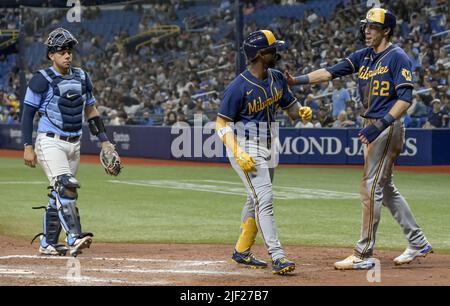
66, 108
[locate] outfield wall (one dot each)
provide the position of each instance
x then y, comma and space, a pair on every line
298, 146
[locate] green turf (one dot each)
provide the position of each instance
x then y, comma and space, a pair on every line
124, 213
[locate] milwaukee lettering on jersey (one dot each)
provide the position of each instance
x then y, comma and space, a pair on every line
248, 99
259, 105
365, 73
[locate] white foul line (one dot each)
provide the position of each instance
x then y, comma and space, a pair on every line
87, 280
234, 188
118, 270
187, 262
21, 182
15, 271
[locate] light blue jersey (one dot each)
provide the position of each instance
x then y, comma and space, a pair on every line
41, 101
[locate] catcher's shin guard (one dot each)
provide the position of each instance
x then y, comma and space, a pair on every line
51, 224
67, 210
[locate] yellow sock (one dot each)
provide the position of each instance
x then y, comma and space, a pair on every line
248, 235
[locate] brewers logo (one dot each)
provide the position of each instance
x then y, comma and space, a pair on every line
407, 74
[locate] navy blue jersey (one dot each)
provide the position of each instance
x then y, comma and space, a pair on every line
248, 99
380, 77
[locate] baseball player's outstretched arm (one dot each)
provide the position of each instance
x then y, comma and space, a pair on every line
317, 76
344, 67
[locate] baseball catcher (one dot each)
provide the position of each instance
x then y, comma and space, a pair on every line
61, 94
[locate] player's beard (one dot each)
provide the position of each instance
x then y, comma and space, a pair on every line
273, 60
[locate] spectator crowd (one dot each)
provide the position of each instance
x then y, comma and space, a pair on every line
183, 73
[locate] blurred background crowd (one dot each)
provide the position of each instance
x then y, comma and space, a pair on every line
163, 62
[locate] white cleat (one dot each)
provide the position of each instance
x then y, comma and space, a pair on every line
409, 255
79, 244
53, 250
355, 263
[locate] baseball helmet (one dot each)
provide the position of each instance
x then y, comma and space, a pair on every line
60, 39
379, 17
262, 40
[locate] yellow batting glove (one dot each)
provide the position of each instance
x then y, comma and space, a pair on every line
305, 113
245, 160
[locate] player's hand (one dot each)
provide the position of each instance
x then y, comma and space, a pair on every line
305, 113
363, 139
369, 134
29, 156
245, 160
289, 78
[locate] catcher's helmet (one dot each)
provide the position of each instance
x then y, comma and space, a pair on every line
380, 17
60, 39
261, 40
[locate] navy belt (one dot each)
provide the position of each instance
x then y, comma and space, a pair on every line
71, 139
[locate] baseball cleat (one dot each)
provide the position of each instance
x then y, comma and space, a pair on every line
248, 259
81, 243
54, 250
282, 266
409, 255
355, 263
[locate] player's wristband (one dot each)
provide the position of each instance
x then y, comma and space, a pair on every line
102, 137
301, 80
97, 128
384, 122
222, 131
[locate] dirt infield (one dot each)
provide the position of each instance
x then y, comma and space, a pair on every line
189, 264
159, 162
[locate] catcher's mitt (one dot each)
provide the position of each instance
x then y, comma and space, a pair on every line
110, 160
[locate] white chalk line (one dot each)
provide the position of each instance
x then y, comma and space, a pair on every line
178, 267
15, 271
165, 271
184, 262
235, 188
21, 182
85, 280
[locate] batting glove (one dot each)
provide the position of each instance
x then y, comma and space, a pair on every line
305, 113
245, 160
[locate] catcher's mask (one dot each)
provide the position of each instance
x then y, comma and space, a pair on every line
378, 17
260, 43
58, 40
